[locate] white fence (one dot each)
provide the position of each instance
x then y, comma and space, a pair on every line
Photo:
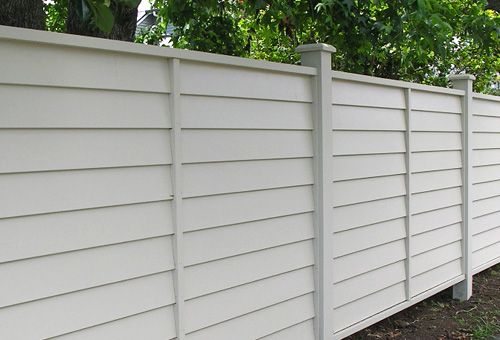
397, 234
154, 193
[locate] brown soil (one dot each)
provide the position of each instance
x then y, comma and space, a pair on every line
440, 317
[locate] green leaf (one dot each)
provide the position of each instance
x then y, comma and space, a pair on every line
104, 18
422, 5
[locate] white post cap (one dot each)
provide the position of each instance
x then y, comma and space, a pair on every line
315, 48
453, 77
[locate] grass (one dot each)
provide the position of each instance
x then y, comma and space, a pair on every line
483, 323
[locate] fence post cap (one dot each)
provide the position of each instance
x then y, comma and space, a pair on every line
315, 47
453, 77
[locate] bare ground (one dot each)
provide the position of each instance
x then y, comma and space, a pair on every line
440, 317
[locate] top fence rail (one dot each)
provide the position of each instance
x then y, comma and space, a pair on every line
394, 83
51, 38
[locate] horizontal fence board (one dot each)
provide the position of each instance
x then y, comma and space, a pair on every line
363, 166
362, 214
433, 200
485, 190
435, 258
363, 261
400, 84
486, 140
363, 190
486, 157
201, 112
485, 255
368, 306
487, 97
213, 211
434, 219
363, 94
234, 271
441, 160
427, 181
357, 239
158, 324
436, 141
437, 102
222, 306
485, 173
233, 145
246, 237
486, 206
367, 118
486, 222
233, 81
261, 322
217, 178
68, 272
80, 67
356, 288
486, 238
436, 238
301, 331
486, 124
435, 277
44, 192
485, 107
367, 142
24, 150
12, 33
436, 122
23, 237
55, 107
95, 306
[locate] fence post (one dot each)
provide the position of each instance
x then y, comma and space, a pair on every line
178, 240
408, 180
319, 56
463, 290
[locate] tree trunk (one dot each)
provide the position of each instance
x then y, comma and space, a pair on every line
123, 29
22, 13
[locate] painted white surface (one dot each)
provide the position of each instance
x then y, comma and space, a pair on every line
170, 194
486, 185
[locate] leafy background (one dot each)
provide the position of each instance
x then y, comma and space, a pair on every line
414, 40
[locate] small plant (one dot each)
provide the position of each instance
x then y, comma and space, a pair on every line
487, 325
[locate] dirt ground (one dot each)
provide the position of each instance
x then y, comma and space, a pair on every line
440, 317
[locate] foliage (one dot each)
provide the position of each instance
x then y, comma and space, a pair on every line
96, 12
152, 36
56, 15
155, 35
99, 12
414, 40
205, 25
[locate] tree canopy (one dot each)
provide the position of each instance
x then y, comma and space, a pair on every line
414, 40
